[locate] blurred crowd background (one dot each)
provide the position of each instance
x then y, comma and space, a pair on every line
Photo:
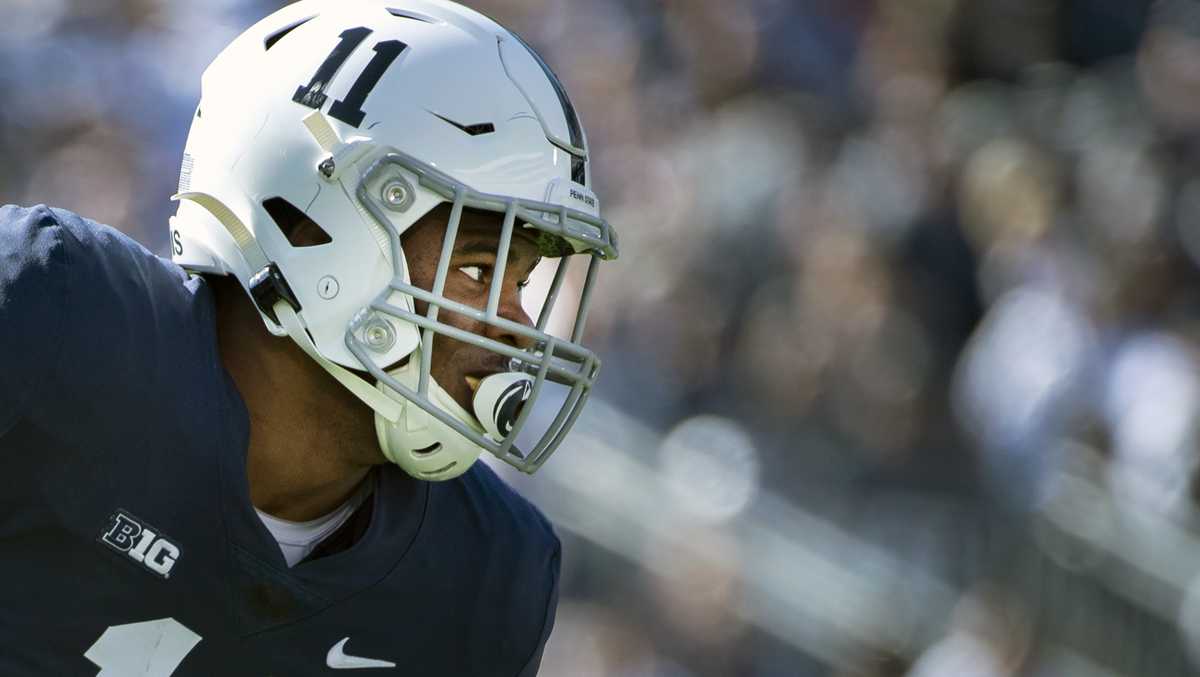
901, 370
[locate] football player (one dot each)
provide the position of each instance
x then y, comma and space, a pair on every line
260, 458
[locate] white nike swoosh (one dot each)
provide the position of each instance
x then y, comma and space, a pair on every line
338, 660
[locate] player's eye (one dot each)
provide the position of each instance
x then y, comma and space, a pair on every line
523, 284
473, 272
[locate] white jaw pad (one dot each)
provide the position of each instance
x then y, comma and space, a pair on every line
419, 442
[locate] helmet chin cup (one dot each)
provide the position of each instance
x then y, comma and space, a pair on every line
418, 442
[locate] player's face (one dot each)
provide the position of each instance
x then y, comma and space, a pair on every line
468, 281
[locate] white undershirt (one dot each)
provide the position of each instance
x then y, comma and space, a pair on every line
298, 539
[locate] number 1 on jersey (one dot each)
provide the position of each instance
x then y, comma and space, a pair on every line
147, 649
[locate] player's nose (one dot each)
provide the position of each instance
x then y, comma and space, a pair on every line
512, 310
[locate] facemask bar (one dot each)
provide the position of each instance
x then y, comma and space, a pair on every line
560, 361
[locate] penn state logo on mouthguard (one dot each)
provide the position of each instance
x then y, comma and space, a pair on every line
498, 401
508, 405
145, 546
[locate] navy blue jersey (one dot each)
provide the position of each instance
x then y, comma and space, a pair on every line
128, 542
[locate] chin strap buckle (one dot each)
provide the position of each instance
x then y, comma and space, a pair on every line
268, 287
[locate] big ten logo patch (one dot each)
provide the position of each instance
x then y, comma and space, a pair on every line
133, 538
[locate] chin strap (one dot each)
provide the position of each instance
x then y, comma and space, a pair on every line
285, 314
369, 394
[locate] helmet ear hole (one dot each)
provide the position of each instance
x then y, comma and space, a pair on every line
296, 226
436, 446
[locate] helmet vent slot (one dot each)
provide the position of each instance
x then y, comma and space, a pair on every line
275, 37
429, 450
439, 471
404, 14
473, 130
578, 170
295, 225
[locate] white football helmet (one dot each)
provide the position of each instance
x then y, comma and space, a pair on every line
364, 115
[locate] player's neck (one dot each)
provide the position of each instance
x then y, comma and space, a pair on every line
311, 442
296, 479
